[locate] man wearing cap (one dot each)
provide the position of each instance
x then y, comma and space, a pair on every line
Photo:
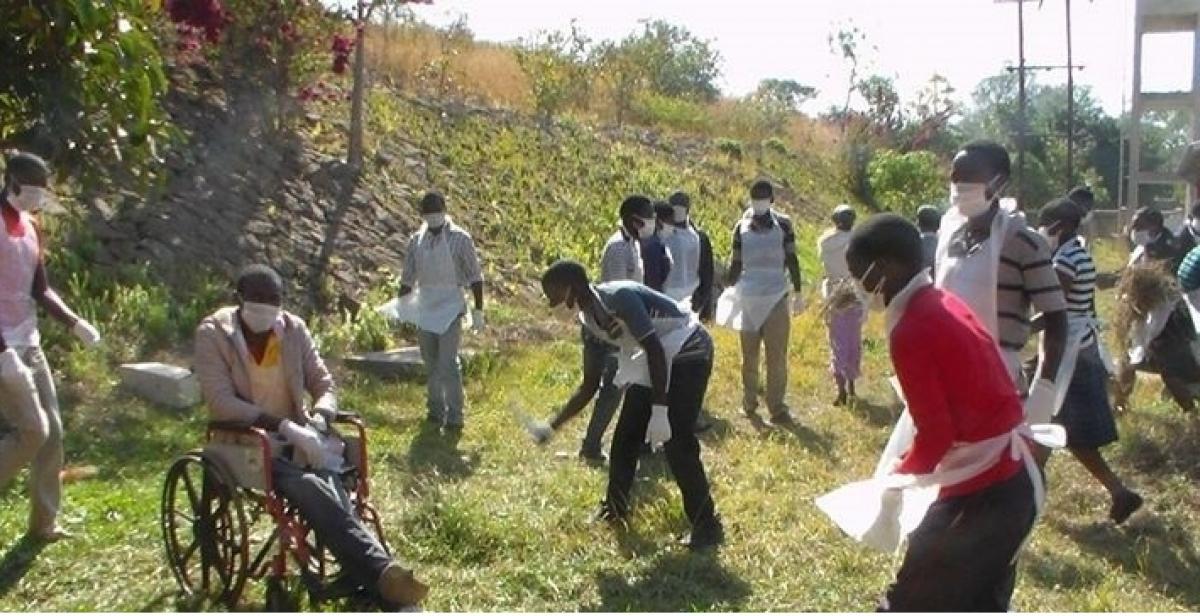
441, 261
28, 401
756, 302
844, 313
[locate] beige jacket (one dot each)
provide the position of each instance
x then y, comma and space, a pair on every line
225, 380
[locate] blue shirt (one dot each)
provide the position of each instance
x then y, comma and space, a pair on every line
642, 311
656, 262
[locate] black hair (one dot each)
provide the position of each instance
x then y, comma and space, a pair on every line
636, 205
433, 200
929, 218
992, 153
1150, 215
1082, 195
25, 168
1060, 210
258, 274
663, 209
887, 236
762, 189
564, 272
680, 198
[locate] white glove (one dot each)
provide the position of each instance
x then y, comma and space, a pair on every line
304, 438
87, 333
540, 431
797, 303
477, 320
658, 430
12, 369
1039, 406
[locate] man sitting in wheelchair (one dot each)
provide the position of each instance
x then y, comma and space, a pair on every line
257, 364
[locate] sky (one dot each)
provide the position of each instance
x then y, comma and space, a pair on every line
908, 40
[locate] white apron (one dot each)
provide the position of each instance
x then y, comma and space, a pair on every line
974, 277
441, 300
763, 283
18, 264
633, 366
880, 512
684, 278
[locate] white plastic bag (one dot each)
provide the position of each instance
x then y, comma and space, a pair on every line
402, 309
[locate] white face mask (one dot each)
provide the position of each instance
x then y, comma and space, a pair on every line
31, 198
760, 206
647, 228
666, 232
260, 317
969, 198
435, 220
1140, 238
875, 300
680, 213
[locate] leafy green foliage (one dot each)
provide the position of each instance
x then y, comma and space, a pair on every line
677, 114
558, 68
83, 82
902, 182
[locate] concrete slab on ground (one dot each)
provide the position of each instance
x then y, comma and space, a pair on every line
402, 363
163, 384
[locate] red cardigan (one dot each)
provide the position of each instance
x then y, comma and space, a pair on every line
956, 385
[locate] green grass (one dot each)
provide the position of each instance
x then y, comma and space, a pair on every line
496, 523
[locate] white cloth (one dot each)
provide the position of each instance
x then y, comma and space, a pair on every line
1147, 329
440, 301
763, 282
19, 258
883, 510
973, 277
684, 278
832, 247
633, 366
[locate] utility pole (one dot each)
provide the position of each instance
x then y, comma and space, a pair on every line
1021, 120
1070, 106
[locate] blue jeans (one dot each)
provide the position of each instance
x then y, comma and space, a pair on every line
444, 397
608, 398
325, 507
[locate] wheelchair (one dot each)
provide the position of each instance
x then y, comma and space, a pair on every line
223, 523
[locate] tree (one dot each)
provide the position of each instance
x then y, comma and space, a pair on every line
902, 182
557, 64
83, 82
364, 11
845, 42
883, 104
786, 94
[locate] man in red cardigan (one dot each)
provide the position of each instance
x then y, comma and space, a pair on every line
962, 556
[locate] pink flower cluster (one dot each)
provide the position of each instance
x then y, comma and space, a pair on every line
320, 91
342, 46
208, 16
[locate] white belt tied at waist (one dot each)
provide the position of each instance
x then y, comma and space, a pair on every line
880, 512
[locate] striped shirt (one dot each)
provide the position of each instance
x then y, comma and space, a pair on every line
1189, 271
462, 250
1073, 262
1026, 278
622, 259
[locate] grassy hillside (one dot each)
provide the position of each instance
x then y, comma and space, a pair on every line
496, 523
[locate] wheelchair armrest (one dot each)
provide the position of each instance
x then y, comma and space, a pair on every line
232, 426
347, 417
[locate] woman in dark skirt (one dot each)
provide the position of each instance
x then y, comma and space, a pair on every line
1085, 413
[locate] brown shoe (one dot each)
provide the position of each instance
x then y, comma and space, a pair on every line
398, 585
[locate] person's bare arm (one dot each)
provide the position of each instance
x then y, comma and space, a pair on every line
656, 359
1054, 343
49, 299
593, 367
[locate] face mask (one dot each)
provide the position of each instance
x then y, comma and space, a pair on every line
30, 199
260, 317
874, 298
666, 232
760, 206
1140, 238
647, 228
1051, 238
680, 213
435, 220
969, 198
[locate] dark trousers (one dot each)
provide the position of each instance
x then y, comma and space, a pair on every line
962, 557
608, 397
325, 508
689, 380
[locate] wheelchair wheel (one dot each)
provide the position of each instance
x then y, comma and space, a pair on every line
205, 530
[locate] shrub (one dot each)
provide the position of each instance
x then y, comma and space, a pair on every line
902, 182
671, 113
730, 147
775, 144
